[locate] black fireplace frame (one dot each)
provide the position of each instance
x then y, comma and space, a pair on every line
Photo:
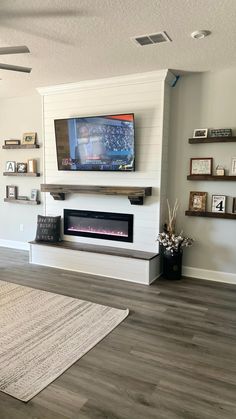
98, 214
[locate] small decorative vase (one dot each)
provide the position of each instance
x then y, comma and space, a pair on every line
172, 264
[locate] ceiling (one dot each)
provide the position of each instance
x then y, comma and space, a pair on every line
74, 40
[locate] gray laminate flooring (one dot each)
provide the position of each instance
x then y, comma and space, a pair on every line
173, 357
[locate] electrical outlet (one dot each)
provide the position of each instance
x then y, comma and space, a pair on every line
21, 227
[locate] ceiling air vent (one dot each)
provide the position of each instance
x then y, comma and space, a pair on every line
155, 38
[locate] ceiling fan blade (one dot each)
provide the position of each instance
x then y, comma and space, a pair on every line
15, 68
14, 50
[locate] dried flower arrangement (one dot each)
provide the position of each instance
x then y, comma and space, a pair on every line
171, 241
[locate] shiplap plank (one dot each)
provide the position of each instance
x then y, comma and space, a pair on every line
84, 102
145, 89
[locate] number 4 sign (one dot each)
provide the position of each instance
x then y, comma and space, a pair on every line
218, 203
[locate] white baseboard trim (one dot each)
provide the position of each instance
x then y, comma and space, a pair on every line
14, 244
226, 277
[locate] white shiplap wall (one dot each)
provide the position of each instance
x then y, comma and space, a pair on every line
144, 95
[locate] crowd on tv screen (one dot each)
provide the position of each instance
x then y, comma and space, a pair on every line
114, 138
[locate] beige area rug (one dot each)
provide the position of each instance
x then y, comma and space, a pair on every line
42, 334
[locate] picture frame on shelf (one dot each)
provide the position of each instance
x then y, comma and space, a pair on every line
11, 142
33, 195
234, 206
218, 203
233, 166
11, 192
201, 166
200, 133
197, 201
11, 166
29, 138
220, 132
22, 198
21, 167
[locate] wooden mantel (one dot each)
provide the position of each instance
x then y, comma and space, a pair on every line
135, 194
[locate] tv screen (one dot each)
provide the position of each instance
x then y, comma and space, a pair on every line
95, 143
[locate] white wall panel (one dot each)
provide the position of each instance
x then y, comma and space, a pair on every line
145, 98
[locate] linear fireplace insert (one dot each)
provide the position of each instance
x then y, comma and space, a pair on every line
100, 225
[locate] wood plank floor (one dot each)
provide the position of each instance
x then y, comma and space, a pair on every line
173, 357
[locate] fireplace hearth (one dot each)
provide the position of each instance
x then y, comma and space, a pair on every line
100, 225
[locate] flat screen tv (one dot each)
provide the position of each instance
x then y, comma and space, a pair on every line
95, 143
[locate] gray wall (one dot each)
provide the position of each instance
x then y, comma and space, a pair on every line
19, 115
204, 100
200, 100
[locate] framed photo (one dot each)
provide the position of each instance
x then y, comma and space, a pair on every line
221, 132
201, 166
21, 167
11, 166
200, 133
233, 166
12, 142
29, 138
234, 206
218, 203
11, 192
33, 195
197, 201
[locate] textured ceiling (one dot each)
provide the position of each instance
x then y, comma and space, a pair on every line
77, 40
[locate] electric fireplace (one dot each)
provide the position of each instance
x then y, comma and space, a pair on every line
100, 225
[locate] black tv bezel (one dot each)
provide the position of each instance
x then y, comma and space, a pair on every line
95, 170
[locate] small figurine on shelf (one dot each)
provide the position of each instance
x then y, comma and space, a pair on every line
220, 171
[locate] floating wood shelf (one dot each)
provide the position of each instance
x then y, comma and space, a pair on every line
24, 146
134, 194
29, 174
21, 201
228, 215
212, 140
211, 177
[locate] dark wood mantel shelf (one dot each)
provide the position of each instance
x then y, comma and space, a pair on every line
135, 194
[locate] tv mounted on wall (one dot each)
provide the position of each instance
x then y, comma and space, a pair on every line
95, 143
